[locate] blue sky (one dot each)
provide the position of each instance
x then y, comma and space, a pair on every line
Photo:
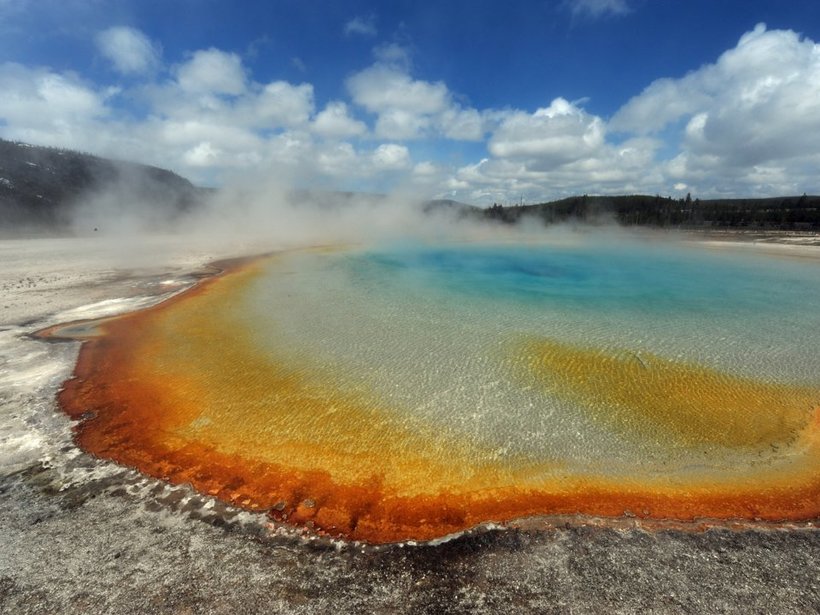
479, 101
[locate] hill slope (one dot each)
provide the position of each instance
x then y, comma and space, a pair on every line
778, 213
42, 187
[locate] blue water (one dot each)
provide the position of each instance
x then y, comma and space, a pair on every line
434, 331
603, 277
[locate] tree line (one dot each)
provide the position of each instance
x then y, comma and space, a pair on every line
781, 213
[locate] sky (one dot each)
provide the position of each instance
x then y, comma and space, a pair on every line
480, 102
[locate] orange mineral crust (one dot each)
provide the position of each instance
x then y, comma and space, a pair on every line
183, 392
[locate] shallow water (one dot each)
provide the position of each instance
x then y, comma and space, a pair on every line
414, 390
442, 331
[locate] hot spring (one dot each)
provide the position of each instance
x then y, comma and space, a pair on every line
411, 391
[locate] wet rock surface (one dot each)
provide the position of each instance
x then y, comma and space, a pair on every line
126, 544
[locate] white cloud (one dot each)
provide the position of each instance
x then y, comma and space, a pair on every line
192, 132
198, 133
409, 108
338, 160
535, 172
363, 26
212, 71
767, 71
425, 169
663, 102
401, 125
277, 104
383, 88
554, 135
291, 148
462, 124
265, 123
757, 108
335, 122
44, 106
391, 157
202, 155
597, 8
129, 50
744, 124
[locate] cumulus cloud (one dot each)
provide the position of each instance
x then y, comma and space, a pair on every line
277, 104
627, 167
41, 94
402, 124
409, 108
212, 71
129, 50
462, 124
335, 122
383, 88
425, 169
218, 132
754, 110
338, 159
405, 106
202, 155
192, 132
744, 124
391, 157
40, 104
663, 102
554, 135
362, 26
768, 71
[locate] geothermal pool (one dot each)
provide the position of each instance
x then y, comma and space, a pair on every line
415, 390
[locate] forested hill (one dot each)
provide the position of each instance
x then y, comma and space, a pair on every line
794, 213
39, 186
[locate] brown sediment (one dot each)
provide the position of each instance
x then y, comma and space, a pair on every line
181, 392
681, 403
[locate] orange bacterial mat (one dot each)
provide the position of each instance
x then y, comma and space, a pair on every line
183, 392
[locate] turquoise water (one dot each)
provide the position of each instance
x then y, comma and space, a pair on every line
715, 306
431, 331
631, 278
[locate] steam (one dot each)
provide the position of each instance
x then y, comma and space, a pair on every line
289, 217
254, 213
261, 211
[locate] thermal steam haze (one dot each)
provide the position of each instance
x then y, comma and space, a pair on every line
270, 212
481, 104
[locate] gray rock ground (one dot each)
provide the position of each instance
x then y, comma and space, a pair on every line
116, 545
81, 535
